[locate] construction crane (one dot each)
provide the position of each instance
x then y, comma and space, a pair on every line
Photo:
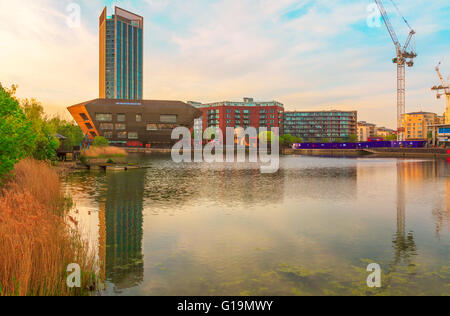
442, 90
403, 58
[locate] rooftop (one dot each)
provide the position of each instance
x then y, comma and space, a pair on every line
420, 113
160, 104
246, 102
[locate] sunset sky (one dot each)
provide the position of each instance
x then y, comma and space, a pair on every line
309, 55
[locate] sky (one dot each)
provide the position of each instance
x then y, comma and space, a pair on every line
309, 55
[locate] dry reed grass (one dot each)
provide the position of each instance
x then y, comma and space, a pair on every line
37, 242
104, 152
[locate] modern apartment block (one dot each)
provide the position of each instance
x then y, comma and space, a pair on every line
121, 55
418, 124
147, 123
248, 113
321, 124
366, 131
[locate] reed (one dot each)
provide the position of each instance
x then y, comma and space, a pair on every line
104, 152
37, 241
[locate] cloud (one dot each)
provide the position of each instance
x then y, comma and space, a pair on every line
306, 54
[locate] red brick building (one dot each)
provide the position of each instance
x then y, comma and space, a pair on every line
241, 114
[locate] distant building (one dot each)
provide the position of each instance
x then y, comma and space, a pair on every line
440, 119
121, 55
440, 135
249, 113
366, 131
417, 124
321, 124
146, 123
384, 132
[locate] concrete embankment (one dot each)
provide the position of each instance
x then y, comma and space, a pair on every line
149, 150
410, 152
325, 152
433, 153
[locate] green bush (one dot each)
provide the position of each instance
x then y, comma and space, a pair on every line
16, 136
100, 141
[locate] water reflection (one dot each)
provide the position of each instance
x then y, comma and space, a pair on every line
227, 229
120, 229
404, 244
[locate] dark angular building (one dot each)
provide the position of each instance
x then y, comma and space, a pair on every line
146, 123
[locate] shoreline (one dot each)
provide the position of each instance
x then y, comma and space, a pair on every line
432, 153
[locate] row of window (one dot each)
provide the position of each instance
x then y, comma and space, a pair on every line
108, 117
135, 135
314, 114
122, 135
150, 127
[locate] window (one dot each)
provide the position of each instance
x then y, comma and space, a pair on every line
121, 117
106, 126
84, 117
168, 118
103, 117
152, 127
138, 117
120, 127
166, 126
108, 135
132, 135
122, 135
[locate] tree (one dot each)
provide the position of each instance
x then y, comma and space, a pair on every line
100, 141
70, 130
353, 138
287, 140
392, 137
45, 144
16, 136
266, 136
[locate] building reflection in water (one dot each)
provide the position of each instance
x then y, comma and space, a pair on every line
121, 230
420, 171
403, 242
441, 212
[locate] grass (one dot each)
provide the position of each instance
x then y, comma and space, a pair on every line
104, 152
37, 241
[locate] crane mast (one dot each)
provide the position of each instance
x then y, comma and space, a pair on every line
403, 58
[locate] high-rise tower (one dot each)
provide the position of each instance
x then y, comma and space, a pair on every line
121, 55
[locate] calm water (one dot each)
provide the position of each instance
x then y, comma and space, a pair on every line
311, 228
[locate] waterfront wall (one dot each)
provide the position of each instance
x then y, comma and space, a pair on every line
430, 153
361, 145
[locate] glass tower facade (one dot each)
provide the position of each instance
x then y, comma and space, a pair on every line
121, 55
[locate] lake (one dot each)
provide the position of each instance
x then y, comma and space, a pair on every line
312, 228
